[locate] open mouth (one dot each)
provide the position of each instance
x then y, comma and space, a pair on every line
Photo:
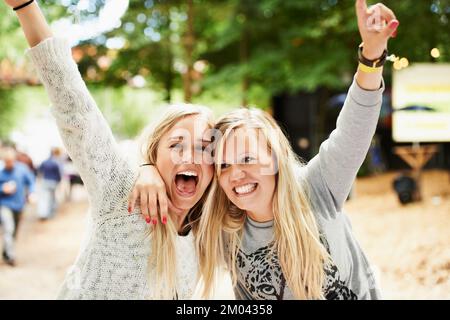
245, 189
186, 183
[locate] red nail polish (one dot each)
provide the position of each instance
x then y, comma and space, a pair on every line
164, 220
129, 209
154, 221
147, 220
394, 24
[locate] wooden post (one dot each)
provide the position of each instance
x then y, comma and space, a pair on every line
416, 157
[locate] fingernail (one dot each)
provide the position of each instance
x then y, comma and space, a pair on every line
394, 24
147, 220
129, 209
164, 220
154, 221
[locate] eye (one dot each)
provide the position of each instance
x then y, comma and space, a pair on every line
176, 146
248, 159
224, 166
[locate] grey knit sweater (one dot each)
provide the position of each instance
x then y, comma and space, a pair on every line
113, 264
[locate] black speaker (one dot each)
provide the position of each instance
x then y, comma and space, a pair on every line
296, 115
405, 186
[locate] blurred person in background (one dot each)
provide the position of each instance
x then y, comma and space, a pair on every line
16, 186
2, 163
23, 157
72, 176
51, 172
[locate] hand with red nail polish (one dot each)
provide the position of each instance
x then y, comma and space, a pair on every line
150, 189
376, 25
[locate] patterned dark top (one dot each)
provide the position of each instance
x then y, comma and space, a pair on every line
260, 276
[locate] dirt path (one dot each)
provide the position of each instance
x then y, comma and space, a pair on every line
44, 252
410, 246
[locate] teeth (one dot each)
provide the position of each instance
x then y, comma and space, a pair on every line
246, 188
188, 173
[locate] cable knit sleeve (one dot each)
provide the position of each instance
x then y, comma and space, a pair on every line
84, 131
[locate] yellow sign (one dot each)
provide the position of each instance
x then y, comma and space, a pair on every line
421, 102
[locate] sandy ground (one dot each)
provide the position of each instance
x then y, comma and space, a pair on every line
45, 250
409, 246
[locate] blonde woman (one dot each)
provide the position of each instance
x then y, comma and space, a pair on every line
278, 224
285, 235
124, 257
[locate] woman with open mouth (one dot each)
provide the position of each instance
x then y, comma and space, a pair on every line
278, 224
125, 257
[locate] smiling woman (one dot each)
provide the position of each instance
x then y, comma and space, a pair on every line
278, 224
241, 172
124, 257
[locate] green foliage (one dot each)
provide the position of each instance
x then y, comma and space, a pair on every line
13, 46
10, 112
272, 46
289, 45
308, 44
127, 110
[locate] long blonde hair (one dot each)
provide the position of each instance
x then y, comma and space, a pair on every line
162, 261
296, 233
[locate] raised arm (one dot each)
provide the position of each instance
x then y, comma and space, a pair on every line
331, 173
33, 22
84, 131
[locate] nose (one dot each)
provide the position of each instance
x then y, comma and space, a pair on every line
186, 156
237, 173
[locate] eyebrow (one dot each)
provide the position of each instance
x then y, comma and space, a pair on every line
180, 138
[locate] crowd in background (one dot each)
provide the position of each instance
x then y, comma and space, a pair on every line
24, 185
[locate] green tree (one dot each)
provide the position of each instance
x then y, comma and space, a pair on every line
13, 46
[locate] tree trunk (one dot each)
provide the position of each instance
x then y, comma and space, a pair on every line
244, 60
189, 48
168, 81
244, 57
169, 76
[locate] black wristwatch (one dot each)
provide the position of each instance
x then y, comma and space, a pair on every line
372, 63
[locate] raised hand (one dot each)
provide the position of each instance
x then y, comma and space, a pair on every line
32, 20
151, 192
376, 25
9, 188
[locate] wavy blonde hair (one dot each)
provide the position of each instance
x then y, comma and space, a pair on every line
162, 261
296, 233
